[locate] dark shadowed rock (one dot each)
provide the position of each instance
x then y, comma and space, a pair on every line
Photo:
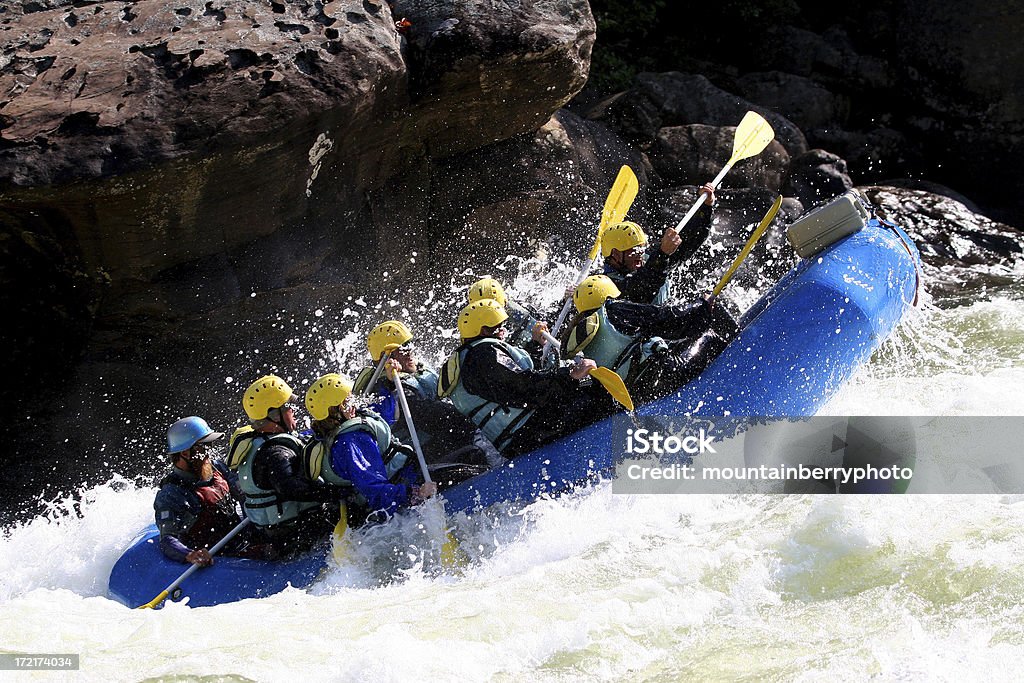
674, 99
943, 76
171, 133
472, 64
221, 165
828, 59
870, 153
696, 153
803, 101
509, 196
817, 176
967, 53
962, 250
167, 138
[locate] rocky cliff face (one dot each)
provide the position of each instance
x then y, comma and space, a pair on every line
158, 133
173, 166
193, 193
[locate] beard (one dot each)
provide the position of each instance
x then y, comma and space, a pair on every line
203, 469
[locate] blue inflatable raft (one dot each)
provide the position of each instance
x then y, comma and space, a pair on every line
797, 345
142, 572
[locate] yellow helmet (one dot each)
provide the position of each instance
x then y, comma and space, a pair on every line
478, 315
390, 333
487, 288
264, 394
593, 292
325, 393
622, 236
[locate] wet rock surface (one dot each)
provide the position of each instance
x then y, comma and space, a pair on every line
964, 253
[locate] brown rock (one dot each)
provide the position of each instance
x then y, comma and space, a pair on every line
224, 162
693, 155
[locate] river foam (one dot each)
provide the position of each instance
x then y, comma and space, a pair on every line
598, 585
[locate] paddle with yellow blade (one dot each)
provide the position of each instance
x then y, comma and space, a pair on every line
608, 379
155, 602
765, 222
752, 136
340, 547
616, 206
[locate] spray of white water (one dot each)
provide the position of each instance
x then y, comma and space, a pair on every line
597, 585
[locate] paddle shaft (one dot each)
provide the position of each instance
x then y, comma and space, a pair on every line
700, 200
584, 269
191, 570
616, 206
751, 137
551, 339
412, 428
376, 373
449, 548
765, 222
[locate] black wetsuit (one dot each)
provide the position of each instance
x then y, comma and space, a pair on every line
695, 335
563, 405
644, 284
280, 469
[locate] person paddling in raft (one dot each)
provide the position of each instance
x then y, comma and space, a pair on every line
522, 319
641, 271
654, 349
294, 511
197, 504
353, 450
446, 435
494, 383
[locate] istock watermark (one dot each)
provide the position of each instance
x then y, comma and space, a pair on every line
828, 454
645, 441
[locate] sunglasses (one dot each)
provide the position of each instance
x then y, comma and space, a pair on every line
277, 413
197, 452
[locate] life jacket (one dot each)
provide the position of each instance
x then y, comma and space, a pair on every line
362, 380
660, 299
264, 506
595, 336
316, 455
243, 442
423, 382
216, 516
496, 421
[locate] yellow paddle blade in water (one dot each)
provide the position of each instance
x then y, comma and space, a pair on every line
614, 385
452, 556
155, 602
341, 540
